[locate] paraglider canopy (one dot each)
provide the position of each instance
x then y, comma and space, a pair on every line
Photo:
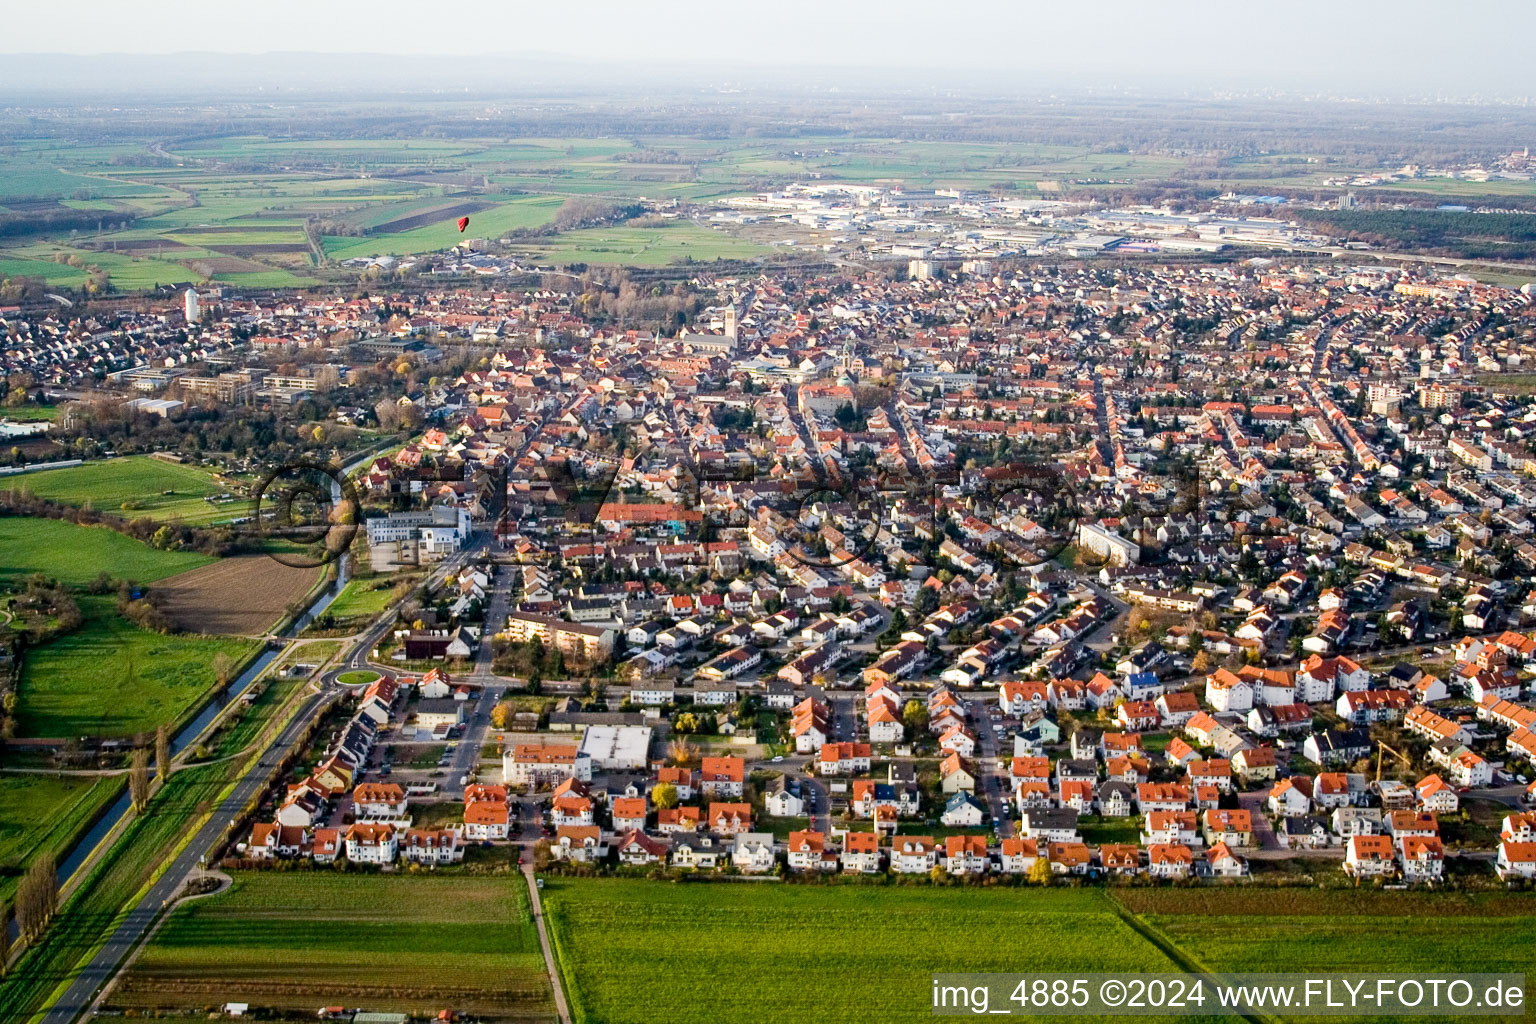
463, 223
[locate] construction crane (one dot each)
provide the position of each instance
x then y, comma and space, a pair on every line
1380, 746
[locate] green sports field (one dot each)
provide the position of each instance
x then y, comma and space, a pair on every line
415, 943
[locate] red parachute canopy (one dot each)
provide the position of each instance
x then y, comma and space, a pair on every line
463, 223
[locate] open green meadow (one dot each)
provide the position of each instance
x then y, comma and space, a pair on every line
361, 599
1293, 929
129, 271
813, 953
75, 555
49, 271
110, 678
293, 941
522, 212
41, 813
134, 486
29, 413
643, 247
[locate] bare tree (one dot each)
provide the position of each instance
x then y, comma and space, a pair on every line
162, 752
138, 778
223, 668
388, 413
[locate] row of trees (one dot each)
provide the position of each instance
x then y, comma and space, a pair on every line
138, 768
37, 897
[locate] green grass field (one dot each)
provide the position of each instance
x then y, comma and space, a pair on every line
242, 725
1297, 929
265, 279
29, 413
299, 940
50, 272
76, 554
312, 652
1508, 383
89, 913
825, 953
110, 678
127, 271
151, 487
1110, 830
362, 598
813, 953
643, 247
42, 813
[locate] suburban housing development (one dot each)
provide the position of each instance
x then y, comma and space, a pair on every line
598, 551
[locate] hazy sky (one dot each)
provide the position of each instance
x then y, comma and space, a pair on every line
1402, 45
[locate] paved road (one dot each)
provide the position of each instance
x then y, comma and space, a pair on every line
495, 618
844, 724
139, 920
466, 755
815, 793
994, 784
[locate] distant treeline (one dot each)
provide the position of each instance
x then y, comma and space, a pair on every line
584, 212
55, 219
1451, 232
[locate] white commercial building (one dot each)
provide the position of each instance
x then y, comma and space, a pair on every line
432, 533
617, 747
